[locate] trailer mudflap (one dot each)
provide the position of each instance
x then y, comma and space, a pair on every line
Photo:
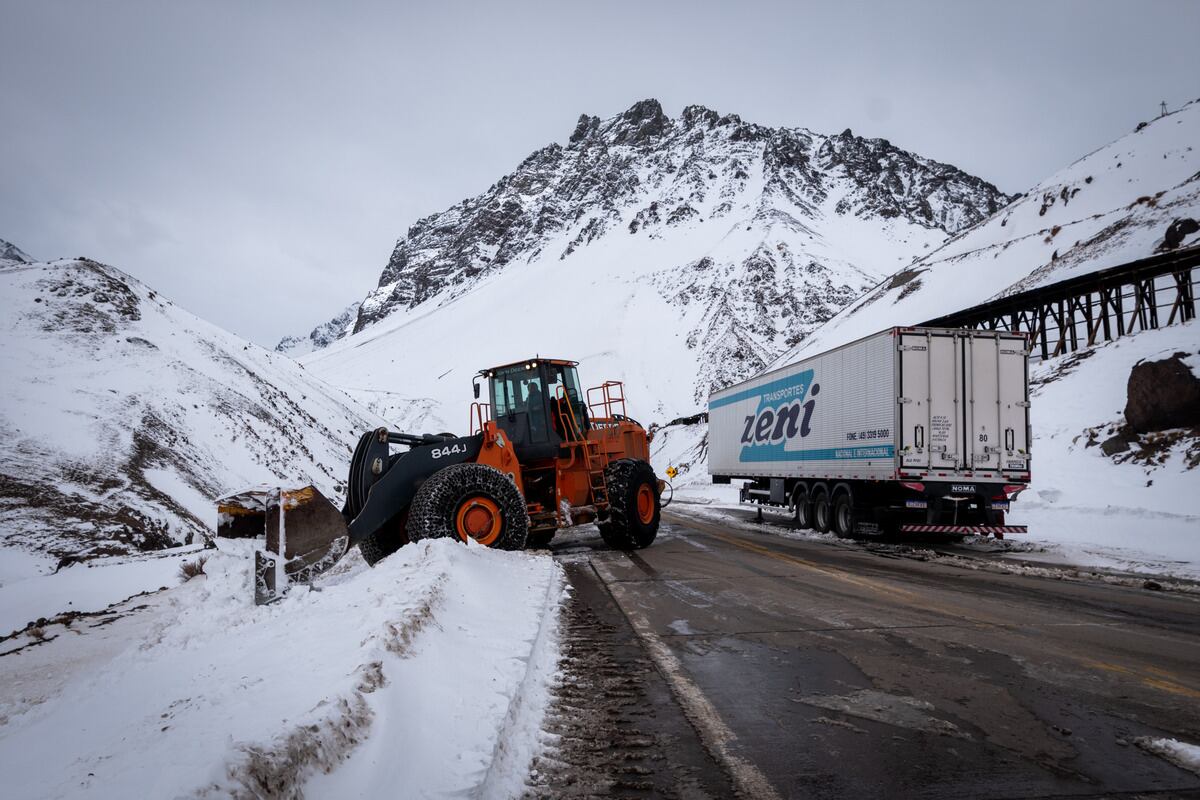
980, 530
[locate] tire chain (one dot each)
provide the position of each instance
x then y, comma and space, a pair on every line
432, 510
619, 477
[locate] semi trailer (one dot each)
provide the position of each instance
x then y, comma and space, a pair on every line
910, 430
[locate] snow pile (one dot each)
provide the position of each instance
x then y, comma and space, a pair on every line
673, 254
425, 676
1181, 754
1110, 207
122, 416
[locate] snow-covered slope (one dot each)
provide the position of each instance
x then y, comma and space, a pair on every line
10, 252
321, 335
122, 415
1138, 510
675, 254
427, 676
1110, 207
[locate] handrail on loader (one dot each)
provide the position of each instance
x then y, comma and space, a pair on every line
481, 413
611, 396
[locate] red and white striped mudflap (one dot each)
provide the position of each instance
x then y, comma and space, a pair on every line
999, 530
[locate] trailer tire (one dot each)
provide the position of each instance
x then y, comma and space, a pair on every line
634, 509
803, 508
470, 501
843, 516
822, 512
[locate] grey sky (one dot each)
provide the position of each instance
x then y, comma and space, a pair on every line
256, 161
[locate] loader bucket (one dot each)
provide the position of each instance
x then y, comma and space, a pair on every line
305, 535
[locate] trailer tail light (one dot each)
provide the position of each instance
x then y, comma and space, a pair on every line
916, 487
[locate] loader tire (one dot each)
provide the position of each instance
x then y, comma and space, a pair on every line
385, 541
634, 510
472, 501
373, 551
540, 540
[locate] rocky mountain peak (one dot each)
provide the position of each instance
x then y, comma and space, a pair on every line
641, 123
10, 252
728, 220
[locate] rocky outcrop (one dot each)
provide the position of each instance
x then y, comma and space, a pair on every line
320, 336
10, 252
1163, 395
1177, 231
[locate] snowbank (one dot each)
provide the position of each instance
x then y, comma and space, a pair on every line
426, 675
1179, 753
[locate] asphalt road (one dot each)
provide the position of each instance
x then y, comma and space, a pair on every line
774, 667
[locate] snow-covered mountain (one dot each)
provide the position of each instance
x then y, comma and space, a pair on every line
1112, 206
676, 254
10, 252
322, 335
122, 415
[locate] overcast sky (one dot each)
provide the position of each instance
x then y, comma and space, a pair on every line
257, 161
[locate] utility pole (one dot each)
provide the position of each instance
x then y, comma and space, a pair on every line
1162, 108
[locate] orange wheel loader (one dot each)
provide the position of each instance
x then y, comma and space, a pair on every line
541, 456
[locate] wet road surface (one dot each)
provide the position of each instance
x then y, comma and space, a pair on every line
739, 662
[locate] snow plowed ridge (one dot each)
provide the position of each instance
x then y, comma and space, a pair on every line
407, 674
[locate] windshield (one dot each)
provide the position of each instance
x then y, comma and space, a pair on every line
516, 389
563, 380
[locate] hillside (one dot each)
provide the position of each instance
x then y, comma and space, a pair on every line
122, 416
675, 254
1111, 206
322, 335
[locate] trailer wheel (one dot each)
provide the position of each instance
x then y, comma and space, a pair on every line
843, 516
633, 503
470, 501
803, 508
822, 512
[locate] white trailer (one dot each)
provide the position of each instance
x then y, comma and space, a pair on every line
912, 429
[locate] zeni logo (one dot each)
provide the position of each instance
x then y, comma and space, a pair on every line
785, 412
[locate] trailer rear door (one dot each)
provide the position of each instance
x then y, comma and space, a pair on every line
981, 356
930, 406
1014, 405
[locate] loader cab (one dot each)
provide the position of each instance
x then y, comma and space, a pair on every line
538, 404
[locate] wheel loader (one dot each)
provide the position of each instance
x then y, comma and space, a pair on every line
541, 456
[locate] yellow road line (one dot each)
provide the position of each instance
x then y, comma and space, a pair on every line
1164, 683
